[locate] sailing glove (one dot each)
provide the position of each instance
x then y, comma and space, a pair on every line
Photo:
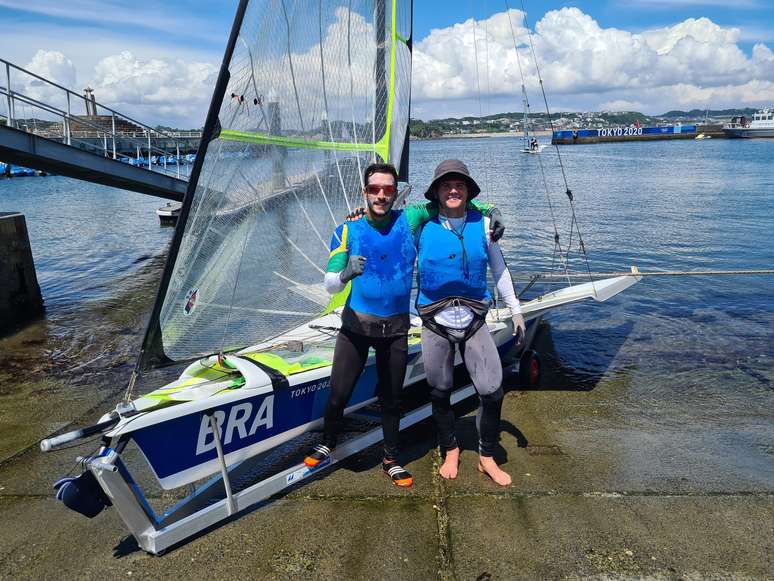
519, 329
355, 267
496, 225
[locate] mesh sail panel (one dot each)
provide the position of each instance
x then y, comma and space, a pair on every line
315, 93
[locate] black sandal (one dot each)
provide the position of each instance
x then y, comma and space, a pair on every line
399, 475
319, 454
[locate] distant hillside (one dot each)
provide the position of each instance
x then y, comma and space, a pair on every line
699, 113
512, 121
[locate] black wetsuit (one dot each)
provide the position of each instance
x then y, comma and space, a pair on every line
389, 340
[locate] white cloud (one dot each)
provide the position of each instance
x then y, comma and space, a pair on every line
50, 65
585, 66
87, 41
621, 105
54, 66
446, 61
763, 61
174, 91
155, 91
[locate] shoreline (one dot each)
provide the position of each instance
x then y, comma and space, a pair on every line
483, 135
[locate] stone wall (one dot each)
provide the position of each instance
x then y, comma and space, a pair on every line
20, 298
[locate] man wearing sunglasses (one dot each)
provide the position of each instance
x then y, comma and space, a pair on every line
376, 256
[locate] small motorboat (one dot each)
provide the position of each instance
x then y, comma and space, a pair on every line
169, 213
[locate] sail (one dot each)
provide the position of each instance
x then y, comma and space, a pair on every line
310, 93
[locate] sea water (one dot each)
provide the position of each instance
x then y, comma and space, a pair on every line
679, 353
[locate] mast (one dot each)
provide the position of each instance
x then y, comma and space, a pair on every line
525, 122
403, 170
380, 73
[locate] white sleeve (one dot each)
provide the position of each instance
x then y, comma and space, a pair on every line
502, 277
488, 231
333, 283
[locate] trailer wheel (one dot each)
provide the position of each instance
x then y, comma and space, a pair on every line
530, 369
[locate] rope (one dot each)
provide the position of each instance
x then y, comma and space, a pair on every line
130, 387
551, 275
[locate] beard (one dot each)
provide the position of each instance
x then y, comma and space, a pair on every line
379, 209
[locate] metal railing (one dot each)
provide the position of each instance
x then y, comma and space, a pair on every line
44, 108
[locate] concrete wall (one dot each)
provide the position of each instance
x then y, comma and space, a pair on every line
20, 298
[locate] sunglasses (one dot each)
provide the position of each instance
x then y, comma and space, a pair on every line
373, 189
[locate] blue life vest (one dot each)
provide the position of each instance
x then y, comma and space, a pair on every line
442, 271
384, 288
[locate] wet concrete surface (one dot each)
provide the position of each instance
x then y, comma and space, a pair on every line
603, 486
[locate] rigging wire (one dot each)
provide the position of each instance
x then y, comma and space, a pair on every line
478, 74
557, 243
309, 220
488, 160
255, 85
325, 197
550, 275
292, 72
352, 90
518, 61
325, 105
480, 112
574, 221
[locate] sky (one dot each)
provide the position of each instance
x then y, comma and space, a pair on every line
158, 62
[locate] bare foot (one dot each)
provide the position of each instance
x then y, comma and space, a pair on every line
488, 466
449, 468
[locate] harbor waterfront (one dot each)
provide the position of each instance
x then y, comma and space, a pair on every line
648, 451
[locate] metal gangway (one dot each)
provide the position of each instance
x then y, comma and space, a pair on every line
40, 129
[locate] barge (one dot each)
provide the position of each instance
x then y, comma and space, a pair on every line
632, 133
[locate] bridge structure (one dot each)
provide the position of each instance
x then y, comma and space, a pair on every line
41, 128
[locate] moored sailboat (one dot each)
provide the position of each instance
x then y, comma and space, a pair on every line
295, 117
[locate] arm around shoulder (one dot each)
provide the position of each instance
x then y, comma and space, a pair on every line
418, 214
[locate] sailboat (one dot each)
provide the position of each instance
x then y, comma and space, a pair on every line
528, 144
701, 136
307, 96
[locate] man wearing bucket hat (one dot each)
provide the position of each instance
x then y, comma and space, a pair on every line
454, 252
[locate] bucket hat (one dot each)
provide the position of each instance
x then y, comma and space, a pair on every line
452, 167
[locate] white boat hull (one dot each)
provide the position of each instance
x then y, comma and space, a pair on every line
749, 132
169, 214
